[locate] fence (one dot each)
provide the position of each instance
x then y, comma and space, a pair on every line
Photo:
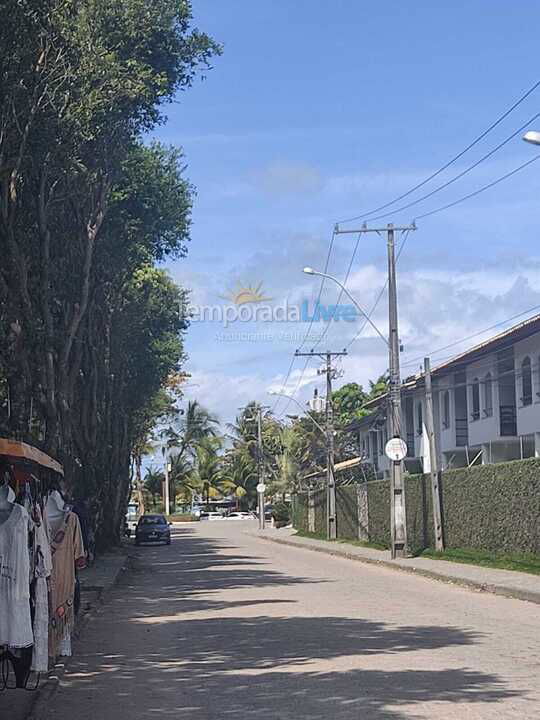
489, 507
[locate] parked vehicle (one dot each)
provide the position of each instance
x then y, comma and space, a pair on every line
153, 528
210, 516
239, 516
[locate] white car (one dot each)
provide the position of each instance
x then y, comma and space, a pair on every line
239, 516
210, 516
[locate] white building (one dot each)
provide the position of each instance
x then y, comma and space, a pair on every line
486, 406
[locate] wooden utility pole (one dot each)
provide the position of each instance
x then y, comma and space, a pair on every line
434, 465
329, 371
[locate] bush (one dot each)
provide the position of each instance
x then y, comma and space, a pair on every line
281, 512
186, 517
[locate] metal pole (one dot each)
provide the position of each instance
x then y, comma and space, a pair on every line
397, 498
434, 470
166, 504
260, 468
331, 483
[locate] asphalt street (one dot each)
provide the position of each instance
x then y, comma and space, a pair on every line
222, 624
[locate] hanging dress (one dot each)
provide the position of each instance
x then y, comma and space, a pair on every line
42, 571
67, 553
15, 616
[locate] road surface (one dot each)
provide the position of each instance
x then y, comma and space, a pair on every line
225, 625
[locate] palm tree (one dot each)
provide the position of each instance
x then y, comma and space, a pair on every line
207, 466
182, 482
239, 474
153, 484
195, 427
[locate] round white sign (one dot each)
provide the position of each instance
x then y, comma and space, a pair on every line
396, 449
261, 487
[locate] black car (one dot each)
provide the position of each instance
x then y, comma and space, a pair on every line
153, 528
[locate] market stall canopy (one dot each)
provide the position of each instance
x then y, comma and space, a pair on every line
16, 449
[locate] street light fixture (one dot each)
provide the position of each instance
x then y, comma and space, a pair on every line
311, 271
532, 137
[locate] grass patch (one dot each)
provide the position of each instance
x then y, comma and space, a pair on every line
527, 563
357, 543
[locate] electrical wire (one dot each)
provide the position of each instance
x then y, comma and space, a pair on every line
328, 255
450, 162
379, 296
480, 190
459, 175
341, 291
418, 359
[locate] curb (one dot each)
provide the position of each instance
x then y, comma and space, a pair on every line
513, 593
47, 691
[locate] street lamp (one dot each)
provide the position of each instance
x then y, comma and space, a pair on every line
290, 397
311, 271
532, 137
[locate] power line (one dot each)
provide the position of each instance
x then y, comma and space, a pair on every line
379, 296
459, 175
450, 162
340, 291
328, 255
470, 337
480, 190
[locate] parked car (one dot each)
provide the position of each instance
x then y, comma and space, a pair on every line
153, 528
210, 516
239, 516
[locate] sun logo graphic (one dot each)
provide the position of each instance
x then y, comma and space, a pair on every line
244, 294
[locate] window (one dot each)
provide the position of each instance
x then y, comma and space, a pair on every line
488, 395
446, 410
475, 399
526, 381
420, 419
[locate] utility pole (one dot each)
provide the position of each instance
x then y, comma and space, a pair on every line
398, 518
261, 486
166, 501
331, 530
434, 466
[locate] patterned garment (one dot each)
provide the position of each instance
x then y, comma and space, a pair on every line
42, 571
67, 554
15, 619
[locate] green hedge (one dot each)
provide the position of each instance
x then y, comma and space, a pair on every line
379, 512
347, 513
488, 507
493, 507
319, 498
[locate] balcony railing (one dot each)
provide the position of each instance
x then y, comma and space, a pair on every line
508, 420
462, 432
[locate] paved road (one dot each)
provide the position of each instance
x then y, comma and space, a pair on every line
223, 625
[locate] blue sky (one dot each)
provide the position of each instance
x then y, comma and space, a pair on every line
318, 111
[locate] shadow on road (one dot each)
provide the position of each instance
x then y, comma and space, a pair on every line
154, 662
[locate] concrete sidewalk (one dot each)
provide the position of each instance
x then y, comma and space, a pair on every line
508, 583
96, 582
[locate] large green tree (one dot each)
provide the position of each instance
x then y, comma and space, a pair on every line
86, 210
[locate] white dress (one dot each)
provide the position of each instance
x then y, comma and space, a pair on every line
15, 618
43, 569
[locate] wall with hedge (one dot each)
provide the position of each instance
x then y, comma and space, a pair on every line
493, 507
488, 507
319, 498
347, 513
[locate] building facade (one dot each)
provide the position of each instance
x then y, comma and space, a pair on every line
486, 407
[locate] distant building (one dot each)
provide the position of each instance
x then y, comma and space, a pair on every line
486, 407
